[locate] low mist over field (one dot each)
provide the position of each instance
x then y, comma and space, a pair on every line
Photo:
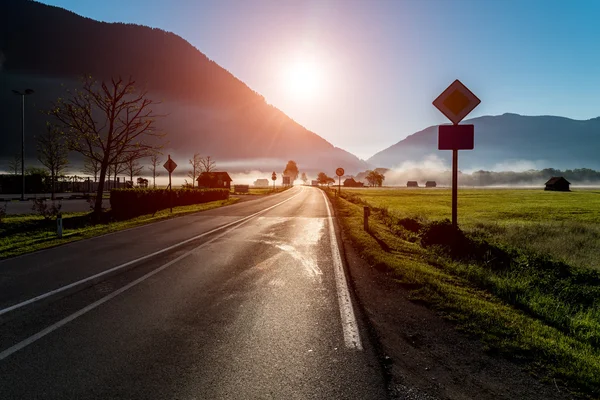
522, 174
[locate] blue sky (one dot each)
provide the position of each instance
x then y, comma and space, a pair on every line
380, 63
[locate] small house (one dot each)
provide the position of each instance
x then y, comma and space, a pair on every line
412, 184
314, 183
261, 183
350, 182
214, 180
558, 183
430, 184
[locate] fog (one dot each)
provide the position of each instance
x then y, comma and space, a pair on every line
510, 173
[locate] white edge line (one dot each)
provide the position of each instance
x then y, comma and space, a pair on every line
118, 267
349, 324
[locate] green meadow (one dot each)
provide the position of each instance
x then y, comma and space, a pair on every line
564, 225
521, 273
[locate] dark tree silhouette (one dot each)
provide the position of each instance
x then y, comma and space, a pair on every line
154, 163
53, 153
291, 170
108, 122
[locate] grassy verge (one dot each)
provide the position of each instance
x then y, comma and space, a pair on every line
261, 191
22, 234
528, 307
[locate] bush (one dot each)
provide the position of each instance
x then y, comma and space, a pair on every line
2, 212
130, 203
42, 208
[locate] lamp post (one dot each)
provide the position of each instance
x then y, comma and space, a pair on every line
23, 94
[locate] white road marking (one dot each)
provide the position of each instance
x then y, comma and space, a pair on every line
24, 343
91, 278
349, 324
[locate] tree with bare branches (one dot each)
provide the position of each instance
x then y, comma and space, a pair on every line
14, 164
53, 153
108, 121
207, 164
133, 167
91, 167
154, 163
196, 163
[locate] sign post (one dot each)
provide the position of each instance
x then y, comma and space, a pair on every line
170, 166
274, 178
339, 172
456, 102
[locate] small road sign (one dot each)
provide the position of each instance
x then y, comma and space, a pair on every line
456, 137
170, 165
339, 171
274, 176
456, 102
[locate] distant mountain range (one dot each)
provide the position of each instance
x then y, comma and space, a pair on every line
505, 142
209, 111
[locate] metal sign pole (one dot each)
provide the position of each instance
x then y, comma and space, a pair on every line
339, 185
454, 186
170, 193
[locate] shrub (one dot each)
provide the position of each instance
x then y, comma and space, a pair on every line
41, 207
130, 203
2, 212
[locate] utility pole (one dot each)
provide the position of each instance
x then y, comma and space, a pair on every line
23, 94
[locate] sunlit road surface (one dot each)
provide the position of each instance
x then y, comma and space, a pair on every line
244, 302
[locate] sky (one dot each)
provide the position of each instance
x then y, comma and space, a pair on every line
363, 73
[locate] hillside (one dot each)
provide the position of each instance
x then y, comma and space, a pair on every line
209, 110
507, 142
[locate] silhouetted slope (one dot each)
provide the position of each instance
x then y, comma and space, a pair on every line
210, 111
506, 140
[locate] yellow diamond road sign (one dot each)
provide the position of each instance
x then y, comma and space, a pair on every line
170, 165
456, 102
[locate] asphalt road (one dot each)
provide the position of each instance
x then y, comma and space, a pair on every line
247, 301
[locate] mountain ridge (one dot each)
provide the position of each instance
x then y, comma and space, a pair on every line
543, 141
211, 111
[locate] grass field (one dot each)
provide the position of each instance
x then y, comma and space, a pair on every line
564, 225
20, 234
521, 275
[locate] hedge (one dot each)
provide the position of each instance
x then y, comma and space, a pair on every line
130, 203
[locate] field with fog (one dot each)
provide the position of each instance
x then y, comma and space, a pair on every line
522, 272
565, 225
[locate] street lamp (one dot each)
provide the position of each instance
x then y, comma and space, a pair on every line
23, 94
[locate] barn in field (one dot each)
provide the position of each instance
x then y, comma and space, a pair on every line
430, 184
350, 182
558, 184
214, 180
412, 184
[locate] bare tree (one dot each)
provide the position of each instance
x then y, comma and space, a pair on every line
91, 167
304, 178
52, 152
154, 162
117, 168
196, 163
207, 164
108, 122
14, 164
132, 167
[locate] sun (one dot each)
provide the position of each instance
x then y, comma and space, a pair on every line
303, 80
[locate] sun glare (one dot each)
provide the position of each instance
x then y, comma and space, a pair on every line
303, 80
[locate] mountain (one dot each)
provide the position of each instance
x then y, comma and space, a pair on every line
506, 142
48, 49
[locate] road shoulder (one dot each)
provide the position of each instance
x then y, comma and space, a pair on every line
424, 356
